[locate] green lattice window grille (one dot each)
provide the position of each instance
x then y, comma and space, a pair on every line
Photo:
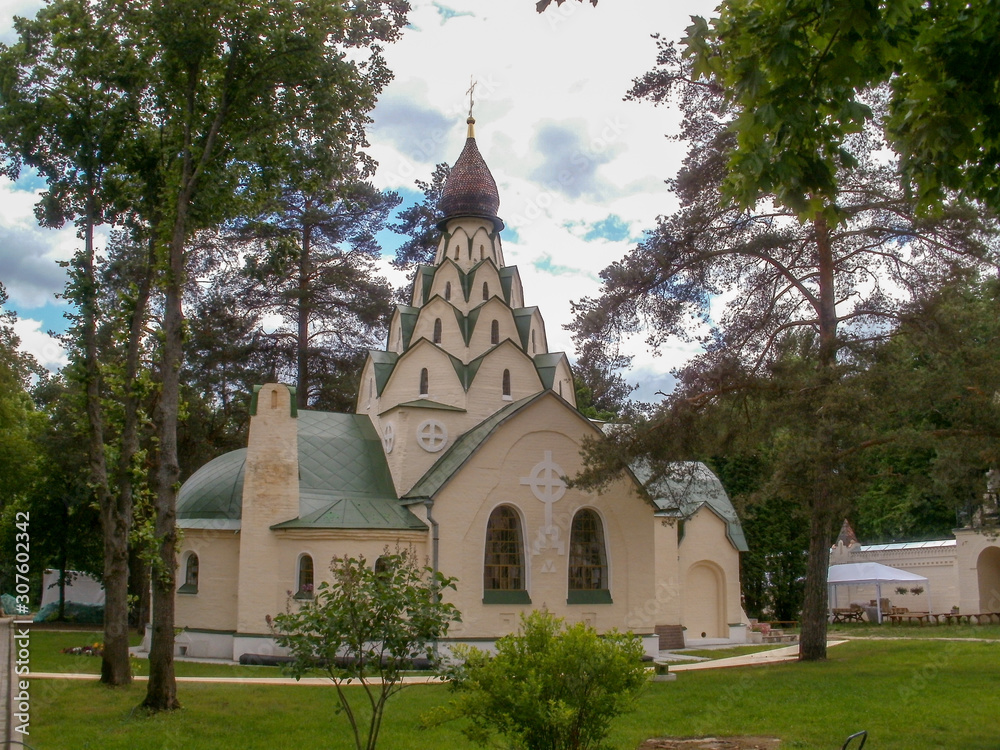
588, 558
503, 565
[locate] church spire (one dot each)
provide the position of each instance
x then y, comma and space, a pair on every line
470, 189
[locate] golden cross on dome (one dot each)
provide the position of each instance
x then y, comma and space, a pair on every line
472, 88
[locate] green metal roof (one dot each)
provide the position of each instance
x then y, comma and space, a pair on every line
460, 451
407, 322
507, 274
426, 280
546, 365
522, 319
344, 480
687, 486
426, 403
384, 363
215, 491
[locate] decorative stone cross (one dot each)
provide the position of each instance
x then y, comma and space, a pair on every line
547, 486
472, 88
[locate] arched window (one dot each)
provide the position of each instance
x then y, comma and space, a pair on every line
503, 562
506, 384
274, 399
437, 330
304, 582
495, 332
482, 252
532, 340
424, 382
190, 585
447, 290
588, 560
381, 565
486, 291
456, 252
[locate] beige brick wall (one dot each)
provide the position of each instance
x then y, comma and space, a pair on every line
709, 569
493, 476
213, 607
270, 496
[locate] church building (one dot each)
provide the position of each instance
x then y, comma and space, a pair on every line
464, 430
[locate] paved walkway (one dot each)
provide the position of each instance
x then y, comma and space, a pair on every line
774, 656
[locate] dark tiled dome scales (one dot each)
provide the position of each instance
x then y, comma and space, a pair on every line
470, 189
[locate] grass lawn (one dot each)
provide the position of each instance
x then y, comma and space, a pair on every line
912, 630
909, 694
47, 656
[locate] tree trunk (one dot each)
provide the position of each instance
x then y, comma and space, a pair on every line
303, 308
138, 588
812, 645
115, 667
161, 692
130, 441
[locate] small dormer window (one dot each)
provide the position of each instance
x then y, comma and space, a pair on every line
456, 252
506, 385
486, 291
447, 290
533, 350
274, 398
437, 330
495, 332
424, 383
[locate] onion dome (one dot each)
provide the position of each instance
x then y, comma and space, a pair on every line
470, 189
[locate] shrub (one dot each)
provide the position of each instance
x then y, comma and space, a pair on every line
549, 687
368, 626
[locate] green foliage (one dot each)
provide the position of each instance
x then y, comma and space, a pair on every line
419, 223
798, 72
368, 625
20, 422
548, 687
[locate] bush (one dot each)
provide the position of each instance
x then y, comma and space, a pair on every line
549, 687
368, 626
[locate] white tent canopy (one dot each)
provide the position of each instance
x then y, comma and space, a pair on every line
872, 573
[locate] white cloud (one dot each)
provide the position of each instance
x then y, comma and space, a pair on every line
47, 351
548, 103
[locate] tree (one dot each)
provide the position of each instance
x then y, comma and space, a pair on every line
20, 422
419, 223
799, 73
62, 503
548, 687
315, 268
70, 103
368, 624
784, 307
232, 90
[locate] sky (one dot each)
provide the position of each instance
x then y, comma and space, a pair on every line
580, 171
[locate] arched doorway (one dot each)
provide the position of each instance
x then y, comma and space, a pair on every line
704, 605
988, 569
